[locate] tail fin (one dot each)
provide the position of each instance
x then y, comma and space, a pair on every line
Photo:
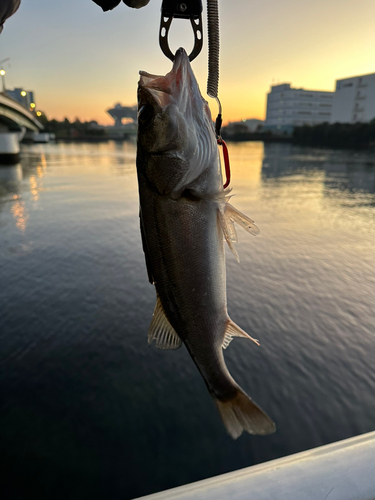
242, 414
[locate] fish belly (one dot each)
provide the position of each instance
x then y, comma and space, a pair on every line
186, 251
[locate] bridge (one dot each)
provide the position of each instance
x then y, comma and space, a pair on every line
15, 120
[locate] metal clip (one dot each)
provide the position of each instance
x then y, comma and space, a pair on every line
186, 9
222, 143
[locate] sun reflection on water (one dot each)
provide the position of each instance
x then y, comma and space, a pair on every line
19, 213
34, 188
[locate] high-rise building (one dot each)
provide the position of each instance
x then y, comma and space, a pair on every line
288, 107
354, 99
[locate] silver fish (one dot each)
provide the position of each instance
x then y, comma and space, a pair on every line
185, 216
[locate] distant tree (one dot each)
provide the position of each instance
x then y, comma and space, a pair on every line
43, 120
75, 130
239, 128
342, 135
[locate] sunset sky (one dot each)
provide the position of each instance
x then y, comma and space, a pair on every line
80, 61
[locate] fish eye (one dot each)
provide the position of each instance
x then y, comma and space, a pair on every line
145, 115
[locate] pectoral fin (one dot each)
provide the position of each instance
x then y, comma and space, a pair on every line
234, 330
229, 230
241, 219
228, 215
162, 331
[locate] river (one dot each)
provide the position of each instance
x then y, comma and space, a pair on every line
88, 409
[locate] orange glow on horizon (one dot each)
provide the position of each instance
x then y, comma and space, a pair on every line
77, 74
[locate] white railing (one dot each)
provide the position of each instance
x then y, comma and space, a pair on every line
340, 471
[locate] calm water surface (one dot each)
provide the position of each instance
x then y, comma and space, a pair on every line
88, 410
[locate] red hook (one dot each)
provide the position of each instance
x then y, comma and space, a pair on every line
226, 161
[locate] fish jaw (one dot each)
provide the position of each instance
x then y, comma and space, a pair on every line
177, 146
178, 86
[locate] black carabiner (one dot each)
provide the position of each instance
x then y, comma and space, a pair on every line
186, 9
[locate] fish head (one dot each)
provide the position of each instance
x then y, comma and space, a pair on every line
177, 147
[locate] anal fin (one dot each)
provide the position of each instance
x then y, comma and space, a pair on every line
234, 330
162, 331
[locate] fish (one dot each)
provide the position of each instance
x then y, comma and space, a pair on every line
185, 216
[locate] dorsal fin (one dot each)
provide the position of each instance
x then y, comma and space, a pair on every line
233, 330
161, 330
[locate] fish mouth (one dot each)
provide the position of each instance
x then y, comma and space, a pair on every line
153, 89
180, 61
164, 88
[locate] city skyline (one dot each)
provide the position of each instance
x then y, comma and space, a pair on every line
80, 61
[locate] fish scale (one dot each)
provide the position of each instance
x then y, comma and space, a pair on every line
185, 217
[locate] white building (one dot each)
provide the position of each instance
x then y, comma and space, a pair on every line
354, 99
288, 107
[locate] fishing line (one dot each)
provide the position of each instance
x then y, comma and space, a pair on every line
213, 57
213, 47
213, 75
